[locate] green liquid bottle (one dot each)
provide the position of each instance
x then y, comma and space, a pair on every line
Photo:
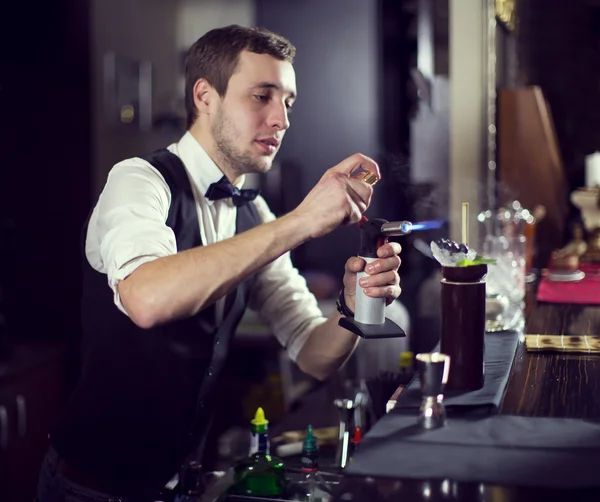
260, 474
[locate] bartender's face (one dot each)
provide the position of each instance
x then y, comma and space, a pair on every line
252, 118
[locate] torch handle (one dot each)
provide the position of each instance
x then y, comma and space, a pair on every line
368, 310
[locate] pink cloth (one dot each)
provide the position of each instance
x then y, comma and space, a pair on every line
585, 291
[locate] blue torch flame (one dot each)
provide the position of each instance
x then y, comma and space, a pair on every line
428, 225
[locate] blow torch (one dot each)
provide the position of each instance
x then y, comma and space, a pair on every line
369, 319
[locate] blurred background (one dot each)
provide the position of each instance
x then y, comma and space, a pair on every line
483, 101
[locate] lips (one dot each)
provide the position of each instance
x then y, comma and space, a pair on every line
269, 145
270, 141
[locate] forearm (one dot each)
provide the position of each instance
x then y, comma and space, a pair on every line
181, 285
327, 348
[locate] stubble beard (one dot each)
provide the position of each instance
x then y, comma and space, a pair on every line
224, 133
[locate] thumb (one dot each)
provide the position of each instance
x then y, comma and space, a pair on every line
355, 265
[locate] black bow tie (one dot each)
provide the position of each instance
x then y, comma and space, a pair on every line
223, 189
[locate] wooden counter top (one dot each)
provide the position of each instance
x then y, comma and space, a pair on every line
540, 384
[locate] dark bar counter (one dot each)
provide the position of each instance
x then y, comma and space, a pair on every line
552, 384
540, 385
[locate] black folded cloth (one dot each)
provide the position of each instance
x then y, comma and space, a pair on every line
500, 350
500, 449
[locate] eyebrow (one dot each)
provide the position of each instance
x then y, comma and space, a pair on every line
273, 85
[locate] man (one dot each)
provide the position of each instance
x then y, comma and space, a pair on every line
175, 251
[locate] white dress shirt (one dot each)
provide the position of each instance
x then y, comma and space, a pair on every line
127, 228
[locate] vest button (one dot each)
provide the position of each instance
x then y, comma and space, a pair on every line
217, 341
210, 371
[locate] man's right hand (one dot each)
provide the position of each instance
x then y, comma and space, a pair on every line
338, 199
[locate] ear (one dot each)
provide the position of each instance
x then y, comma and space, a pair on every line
203, 95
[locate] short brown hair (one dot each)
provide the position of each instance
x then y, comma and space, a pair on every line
215, 56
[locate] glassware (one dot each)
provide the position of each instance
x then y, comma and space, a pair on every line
433, 375
312, 487
463, 325
260, 474
345, 408
191, 484
509, 240
506, 279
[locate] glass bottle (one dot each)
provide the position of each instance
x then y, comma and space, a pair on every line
312, 487
355, 441
406, 367
260, 474
191, 484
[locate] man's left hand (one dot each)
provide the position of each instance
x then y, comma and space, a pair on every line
382, 279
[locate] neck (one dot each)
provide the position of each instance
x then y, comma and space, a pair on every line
206, 141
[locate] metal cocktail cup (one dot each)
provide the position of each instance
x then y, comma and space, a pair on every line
433, 373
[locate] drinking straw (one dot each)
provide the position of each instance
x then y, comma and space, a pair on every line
465, 223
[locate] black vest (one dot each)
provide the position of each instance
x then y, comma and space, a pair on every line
143, 399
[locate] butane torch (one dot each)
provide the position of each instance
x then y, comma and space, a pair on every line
369, 317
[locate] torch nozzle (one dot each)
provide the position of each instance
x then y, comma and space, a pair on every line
394, 228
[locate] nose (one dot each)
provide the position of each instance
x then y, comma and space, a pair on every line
278, 116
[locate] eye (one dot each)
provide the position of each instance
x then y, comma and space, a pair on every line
288, 106
261, 97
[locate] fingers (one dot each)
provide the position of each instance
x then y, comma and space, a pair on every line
383, 265
390, 293
359, 189
390, 278
338, 199
353, 215
355, 162
383, 280
359, 194
354, 203
358, 200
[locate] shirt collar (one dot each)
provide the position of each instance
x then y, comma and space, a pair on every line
201, 168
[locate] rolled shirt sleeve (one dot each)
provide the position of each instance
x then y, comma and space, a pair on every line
128, 228
128, 225
282, 298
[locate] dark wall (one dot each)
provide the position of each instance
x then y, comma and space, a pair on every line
336, 112
351, 69
559, 50
45, 169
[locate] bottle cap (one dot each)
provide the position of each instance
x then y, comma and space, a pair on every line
406, 359
310, 441
356, 438
259, 418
